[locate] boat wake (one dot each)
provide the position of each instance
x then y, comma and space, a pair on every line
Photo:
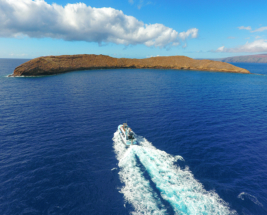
165, 185
244, 195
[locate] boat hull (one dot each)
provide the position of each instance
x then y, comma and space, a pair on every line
123, 135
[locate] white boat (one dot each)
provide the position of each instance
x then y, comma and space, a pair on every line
127, 135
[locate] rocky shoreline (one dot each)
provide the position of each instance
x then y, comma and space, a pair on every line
51, 65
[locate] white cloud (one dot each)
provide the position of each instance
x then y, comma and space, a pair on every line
193, 33
149, 56
220, 49
78, 22
18, 55
231, 38
260, 29
244, 28
257, 37
256, 46
140, 4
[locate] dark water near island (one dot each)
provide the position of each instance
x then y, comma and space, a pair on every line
203, 138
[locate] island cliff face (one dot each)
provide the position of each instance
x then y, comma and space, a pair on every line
51, 65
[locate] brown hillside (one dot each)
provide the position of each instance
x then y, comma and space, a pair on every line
51, 65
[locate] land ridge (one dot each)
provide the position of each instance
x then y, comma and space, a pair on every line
259, 58
50, 65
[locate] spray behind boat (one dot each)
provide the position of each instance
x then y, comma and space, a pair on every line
127, 135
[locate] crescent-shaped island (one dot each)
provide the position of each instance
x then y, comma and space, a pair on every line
51, 65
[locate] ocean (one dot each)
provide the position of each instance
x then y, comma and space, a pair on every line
202, 142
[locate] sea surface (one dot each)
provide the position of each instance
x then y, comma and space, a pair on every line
202, 142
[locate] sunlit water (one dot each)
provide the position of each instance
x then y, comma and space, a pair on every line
203, 142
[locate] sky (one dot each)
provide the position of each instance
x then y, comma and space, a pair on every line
133, 28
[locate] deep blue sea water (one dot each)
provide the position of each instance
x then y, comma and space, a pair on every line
203, 134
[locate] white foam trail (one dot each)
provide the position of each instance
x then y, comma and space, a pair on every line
179, 187
252, 198
137, 189
12, 76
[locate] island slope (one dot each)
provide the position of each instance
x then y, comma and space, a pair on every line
51, 65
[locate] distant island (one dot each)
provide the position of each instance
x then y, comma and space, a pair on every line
260, 58
51, 65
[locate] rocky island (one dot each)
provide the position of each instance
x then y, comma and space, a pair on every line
51, 65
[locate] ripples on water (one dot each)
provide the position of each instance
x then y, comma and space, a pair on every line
57, 154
